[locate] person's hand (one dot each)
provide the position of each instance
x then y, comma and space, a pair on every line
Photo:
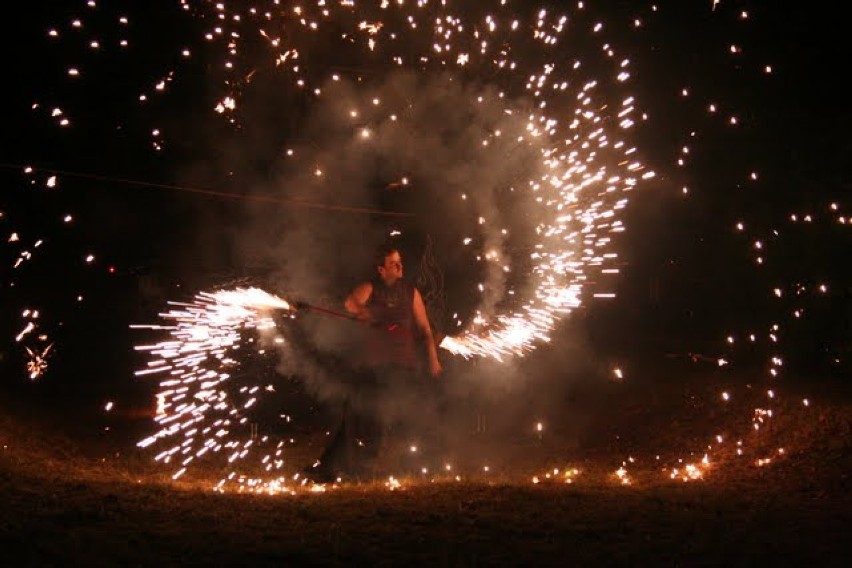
435, 368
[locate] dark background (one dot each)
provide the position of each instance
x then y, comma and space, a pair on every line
688, 277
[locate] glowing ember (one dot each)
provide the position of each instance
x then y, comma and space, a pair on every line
690, 471
37, 363
623, 477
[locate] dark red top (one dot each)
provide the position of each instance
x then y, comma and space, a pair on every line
390, 341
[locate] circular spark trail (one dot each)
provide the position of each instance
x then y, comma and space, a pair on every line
575, 118
556, 89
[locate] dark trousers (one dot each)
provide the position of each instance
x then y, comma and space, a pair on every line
385, 399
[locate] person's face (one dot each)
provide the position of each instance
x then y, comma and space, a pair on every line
391, 271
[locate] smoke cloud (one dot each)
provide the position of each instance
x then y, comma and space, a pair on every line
447, 154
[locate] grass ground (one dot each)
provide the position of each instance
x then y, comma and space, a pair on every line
73, 495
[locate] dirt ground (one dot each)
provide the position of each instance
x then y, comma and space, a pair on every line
71, 499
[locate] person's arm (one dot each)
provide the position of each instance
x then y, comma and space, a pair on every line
422, 321
356, 301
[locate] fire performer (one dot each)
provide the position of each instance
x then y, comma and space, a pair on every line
391, 387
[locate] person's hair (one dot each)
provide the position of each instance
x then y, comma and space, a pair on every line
383, 252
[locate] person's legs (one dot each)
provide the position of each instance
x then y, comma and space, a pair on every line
366, 435
428, 422
356, 441
336, 456
417, 423
364, 423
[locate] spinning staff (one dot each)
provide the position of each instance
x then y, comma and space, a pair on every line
520, 111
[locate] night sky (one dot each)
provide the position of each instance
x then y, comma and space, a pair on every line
688, 278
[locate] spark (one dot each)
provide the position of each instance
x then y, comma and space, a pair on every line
195, 411
37, 362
